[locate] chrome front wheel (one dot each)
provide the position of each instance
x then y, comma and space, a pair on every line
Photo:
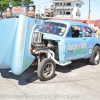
46, 69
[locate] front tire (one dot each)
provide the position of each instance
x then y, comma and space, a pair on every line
95, 57
46, 69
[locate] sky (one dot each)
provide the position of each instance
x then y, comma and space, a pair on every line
95, 7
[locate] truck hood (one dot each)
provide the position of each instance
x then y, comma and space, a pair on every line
15, 54
51, 37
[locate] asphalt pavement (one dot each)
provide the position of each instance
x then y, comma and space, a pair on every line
77, 81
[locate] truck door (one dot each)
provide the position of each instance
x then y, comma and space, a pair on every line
90, 39
76, 46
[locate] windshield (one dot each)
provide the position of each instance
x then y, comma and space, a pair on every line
53, 28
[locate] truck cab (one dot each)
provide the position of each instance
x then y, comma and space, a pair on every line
64, 41
26, 41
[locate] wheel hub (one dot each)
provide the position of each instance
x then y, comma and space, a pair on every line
48, 69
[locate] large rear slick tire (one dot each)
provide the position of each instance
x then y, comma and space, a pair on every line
95, 57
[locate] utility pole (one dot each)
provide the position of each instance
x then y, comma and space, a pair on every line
89, 10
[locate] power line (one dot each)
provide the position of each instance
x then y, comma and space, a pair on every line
90, 7
97, 2
43, 2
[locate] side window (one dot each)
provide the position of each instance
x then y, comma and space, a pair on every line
75, 31
87, 32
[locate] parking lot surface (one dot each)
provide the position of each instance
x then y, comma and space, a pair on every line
77, 81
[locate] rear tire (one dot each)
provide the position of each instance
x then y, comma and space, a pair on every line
46, 69
95, 57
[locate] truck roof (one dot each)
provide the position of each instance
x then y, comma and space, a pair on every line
71, 22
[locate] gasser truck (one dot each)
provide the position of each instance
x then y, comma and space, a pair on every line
25, 41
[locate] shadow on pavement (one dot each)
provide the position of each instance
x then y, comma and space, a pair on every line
30, 75
74, 65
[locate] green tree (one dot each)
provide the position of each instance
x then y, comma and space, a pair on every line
5, 3
27, 2
15, 2
19, 2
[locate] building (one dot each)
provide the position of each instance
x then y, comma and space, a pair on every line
49, 11
65, 8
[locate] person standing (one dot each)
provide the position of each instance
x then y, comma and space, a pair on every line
99, 32
94, 31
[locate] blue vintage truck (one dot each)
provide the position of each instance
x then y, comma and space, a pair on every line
25, 41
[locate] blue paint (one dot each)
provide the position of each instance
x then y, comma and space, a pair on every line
83, 44
15, 43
